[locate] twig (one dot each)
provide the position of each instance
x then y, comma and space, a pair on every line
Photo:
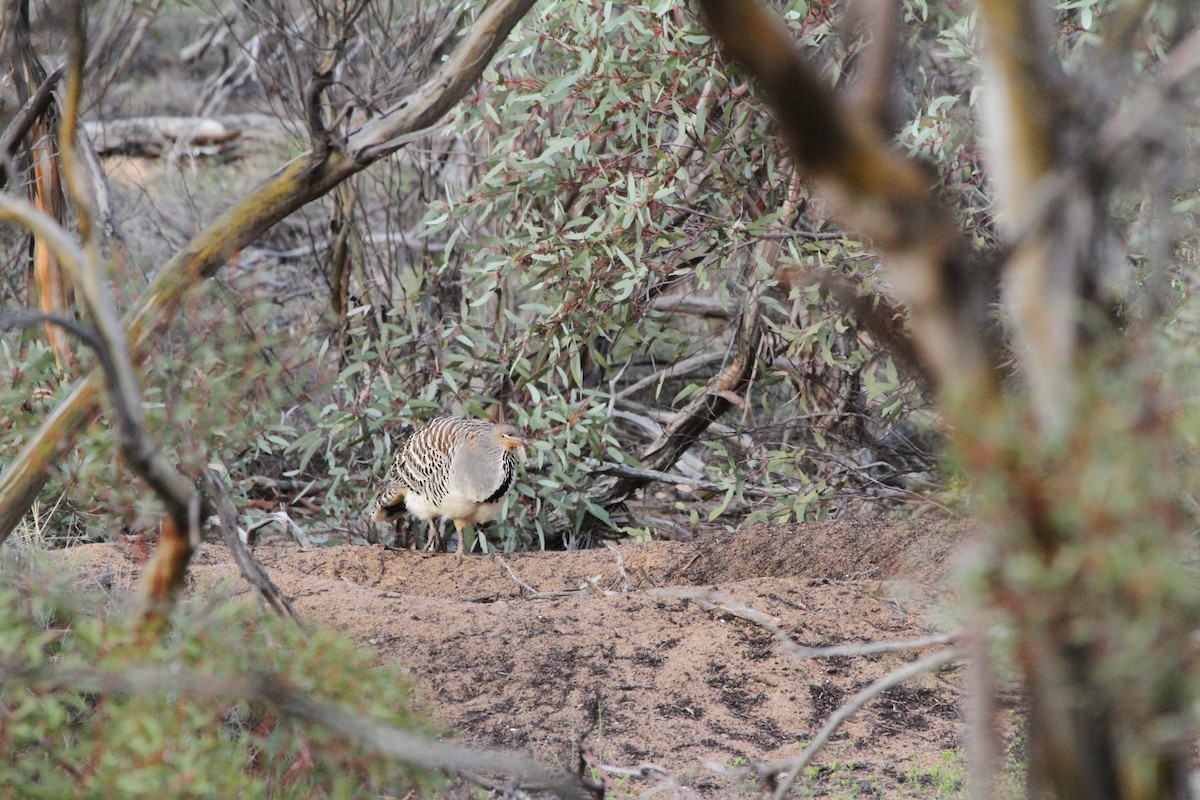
251, 570
288, 523
682, 367
626, 586
791, 768
525, 587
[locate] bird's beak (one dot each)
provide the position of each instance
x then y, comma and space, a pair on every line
517, 441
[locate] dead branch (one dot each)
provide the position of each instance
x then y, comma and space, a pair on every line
682, 367
293, 186
23, 121
703, 409
697, 305
870, 648
711, 600
251, 570
289, 524
130, 35
213, 35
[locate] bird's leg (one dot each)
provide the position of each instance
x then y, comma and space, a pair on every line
434, 545
462, 537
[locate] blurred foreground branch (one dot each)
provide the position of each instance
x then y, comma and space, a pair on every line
1076, 463
402, 745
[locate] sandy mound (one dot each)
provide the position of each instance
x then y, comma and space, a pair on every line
534, 650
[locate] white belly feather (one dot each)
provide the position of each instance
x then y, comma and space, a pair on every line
454, 506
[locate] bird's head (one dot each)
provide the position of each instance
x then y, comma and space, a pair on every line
510, 437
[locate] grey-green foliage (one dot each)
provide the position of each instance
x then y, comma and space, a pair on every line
214, 392
616, 172
618, 165
58, 739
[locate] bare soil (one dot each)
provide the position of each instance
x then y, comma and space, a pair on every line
538, 651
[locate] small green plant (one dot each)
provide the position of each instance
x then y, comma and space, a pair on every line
945, 780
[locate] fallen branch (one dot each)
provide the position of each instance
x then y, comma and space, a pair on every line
289, 524
711, 600
871, 648
150, 137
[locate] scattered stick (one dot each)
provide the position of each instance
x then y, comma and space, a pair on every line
783, 774
525, 587
625, 584
718, 601
870, 648
711, 600
288, 523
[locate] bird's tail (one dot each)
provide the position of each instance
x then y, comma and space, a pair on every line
388, 505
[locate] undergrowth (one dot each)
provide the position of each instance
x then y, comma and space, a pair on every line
87, 709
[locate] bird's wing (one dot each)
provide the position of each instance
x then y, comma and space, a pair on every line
423, 465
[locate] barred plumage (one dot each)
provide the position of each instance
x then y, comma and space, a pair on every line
454, 467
